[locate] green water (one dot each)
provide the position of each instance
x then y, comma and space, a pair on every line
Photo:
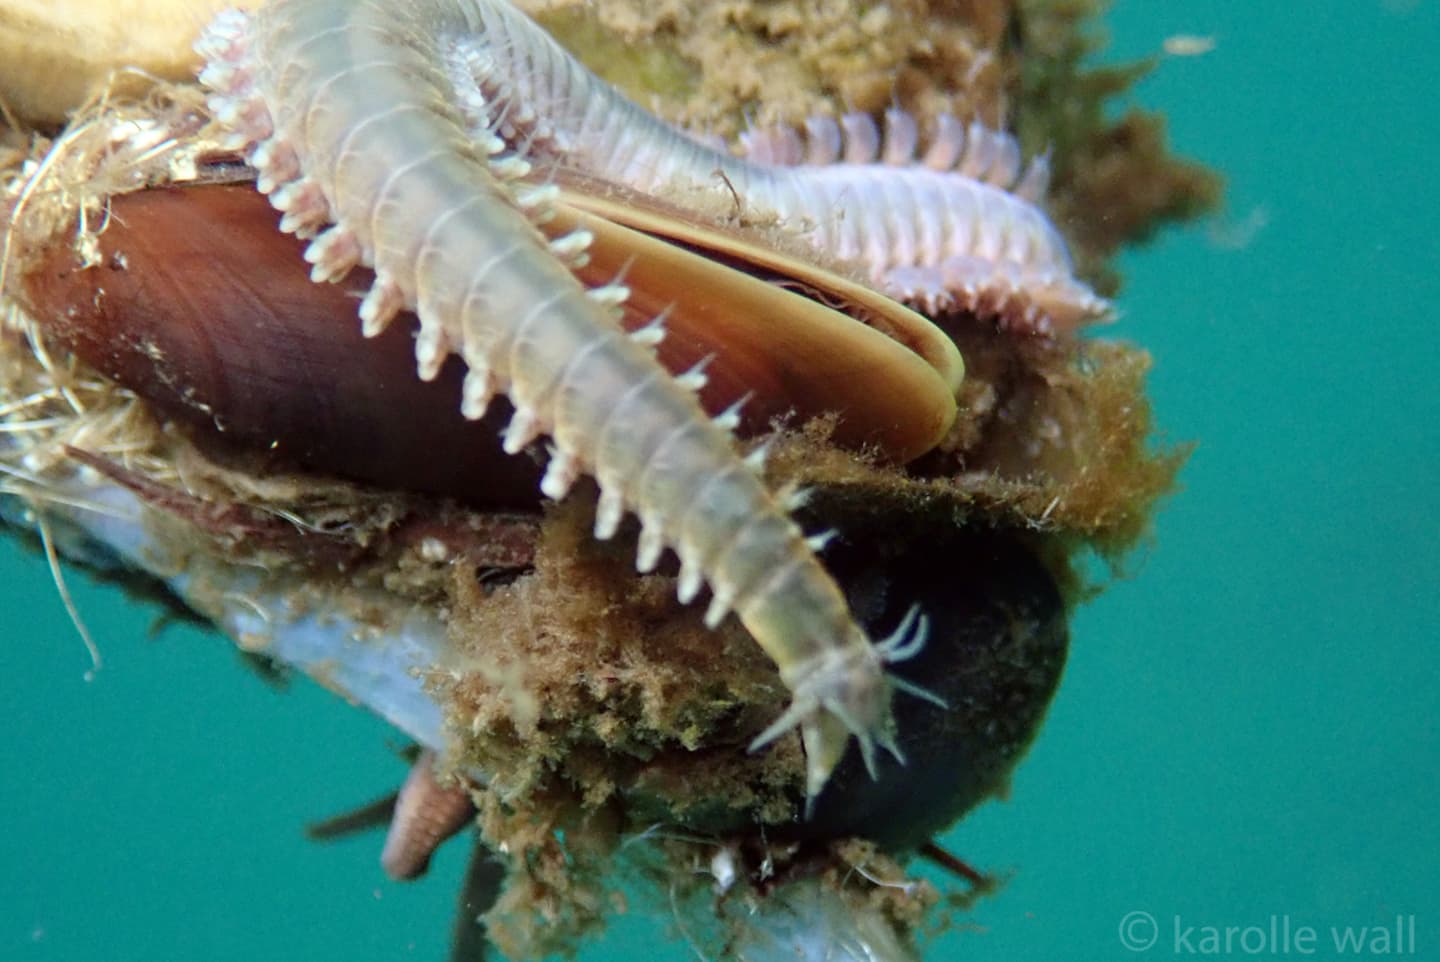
1247, 728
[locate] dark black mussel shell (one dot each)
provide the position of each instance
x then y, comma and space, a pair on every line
995, 650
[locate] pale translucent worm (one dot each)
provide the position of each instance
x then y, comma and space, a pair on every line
956, 226
363, 115
942, 230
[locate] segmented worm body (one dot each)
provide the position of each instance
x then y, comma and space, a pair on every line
955, 226
952, 227
368, 117
427, 813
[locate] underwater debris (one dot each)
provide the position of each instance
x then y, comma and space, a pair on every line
583, 705
1188, 45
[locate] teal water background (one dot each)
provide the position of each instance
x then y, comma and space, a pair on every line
1247, 728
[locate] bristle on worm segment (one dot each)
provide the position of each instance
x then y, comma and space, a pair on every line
376, 130
948, 221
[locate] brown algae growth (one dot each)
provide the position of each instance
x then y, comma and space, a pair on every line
597, 707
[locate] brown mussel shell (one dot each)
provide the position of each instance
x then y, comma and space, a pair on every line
202, 307
205, 310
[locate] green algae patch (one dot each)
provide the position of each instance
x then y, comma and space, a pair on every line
645, 69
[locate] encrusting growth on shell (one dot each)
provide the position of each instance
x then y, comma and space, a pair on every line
1058, 475
355, 100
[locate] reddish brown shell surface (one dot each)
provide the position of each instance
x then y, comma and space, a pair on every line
652, 216
787, 352
203, 308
